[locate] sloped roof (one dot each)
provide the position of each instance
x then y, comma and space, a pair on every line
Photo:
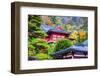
58, 31
50, 29
46, 28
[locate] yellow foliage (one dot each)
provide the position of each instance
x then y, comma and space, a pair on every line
82, 35
74, 35
69, 27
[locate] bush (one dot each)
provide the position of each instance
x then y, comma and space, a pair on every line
51, 48
42, 56
31, 50
63, 44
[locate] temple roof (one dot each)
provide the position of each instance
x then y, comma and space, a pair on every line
58, 31
46, 28
50, 29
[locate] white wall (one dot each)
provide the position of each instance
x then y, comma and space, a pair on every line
5, 42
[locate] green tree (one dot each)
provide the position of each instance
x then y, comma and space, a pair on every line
63, 44
34, 30
31, 50
35, 43
35, 19
41, 46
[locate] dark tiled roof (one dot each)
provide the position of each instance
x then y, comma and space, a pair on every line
50, 29
59, 31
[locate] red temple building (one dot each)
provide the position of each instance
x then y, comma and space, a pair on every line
54, 35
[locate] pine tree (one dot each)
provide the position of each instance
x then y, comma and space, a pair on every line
36, 44
34, 30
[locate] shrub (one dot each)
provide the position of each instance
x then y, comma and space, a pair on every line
42, 56
63, 44
31, 50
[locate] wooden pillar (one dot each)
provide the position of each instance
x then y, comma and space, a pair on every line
72, 54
